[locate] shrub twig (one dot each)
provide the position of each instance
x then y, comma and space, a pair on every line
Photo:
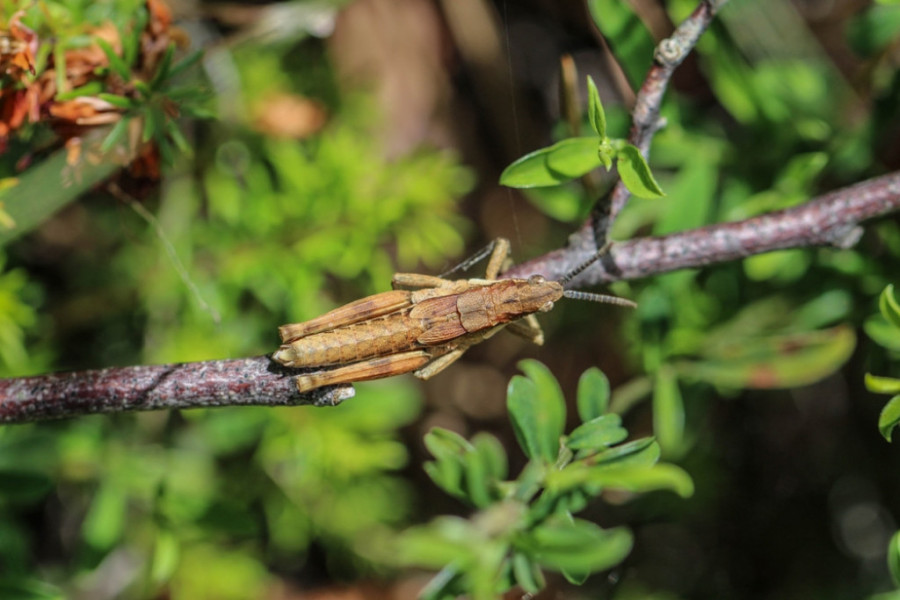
238, 382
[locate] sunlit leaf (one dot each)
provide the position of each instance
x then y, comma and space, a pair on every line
573, 157
668, 413
889, 418
528, 575
553, 165
882, 385
538, 411
642, 452
644, 479
596, 115
780, 361
575, 546
592, 398
635, 173
893, 558
887, 304
882, 333
598, 433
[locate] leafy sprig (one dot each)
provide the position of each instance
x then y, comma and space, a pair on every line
526, 525
890, 414
574, 157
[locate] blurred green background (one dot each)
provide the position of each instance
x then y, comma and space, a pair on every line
350, 140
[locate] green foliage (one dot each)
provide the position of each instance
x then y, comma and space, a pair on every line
889, 309
526, 525
266, 231
893, 557
574, 157
629, 39
17, 317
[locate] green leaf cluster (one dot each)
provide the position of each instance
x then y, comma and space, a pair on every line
886, 333
526, 525
574, 157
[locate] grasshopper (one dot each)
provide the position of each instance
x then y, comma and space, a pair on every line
424, 324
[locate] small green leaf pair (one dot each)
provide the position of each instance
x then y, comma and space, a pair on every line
890, 415
526, 525
574, 157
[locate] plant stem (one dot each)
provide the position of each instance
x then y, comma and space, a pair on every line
239, 382
670, 53
829, 220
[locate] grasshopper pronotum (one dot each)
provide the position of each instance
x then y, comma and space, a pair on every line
426, 326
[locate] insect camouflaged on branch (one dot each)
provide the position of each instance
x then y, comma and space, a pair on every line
425, 327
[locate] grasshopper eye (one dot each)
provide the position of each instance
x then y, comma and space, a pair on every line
547, 307
536, 279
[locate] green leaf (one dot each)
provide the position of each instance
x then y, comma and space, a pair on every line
882, 333
482, 466
105, 521
553, 165
544, 411
596, 115
89, 89
163, 68
447, 471
628, 37
668, 413
493, 454
573, 157
882, 385
889, 418
597, 434
778, 361
635, 173
644, 479
531, 171
527, 574
21, 486
593, 394
12, 588
186, 63
575, 546
116, 135
444, 541
116, 63
521, 402
887, 304
443, 442
117, 101
642, 452
893, 558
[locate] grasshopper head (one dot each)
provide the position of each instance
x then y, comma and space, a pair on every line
536, 294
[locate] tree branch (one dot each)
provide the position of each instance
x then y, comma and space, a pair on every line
239, 382
670, 53
829, 220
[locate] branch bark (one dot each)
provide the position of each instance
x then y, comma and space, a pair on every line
239, 382
833, 219
830, 220
670, 53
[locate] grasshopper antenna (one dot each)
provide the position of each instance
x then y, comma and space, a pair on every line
579, 295
601, 298
578, 270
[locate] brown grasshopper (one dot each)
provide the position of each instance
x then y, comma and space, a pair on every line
424, 328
